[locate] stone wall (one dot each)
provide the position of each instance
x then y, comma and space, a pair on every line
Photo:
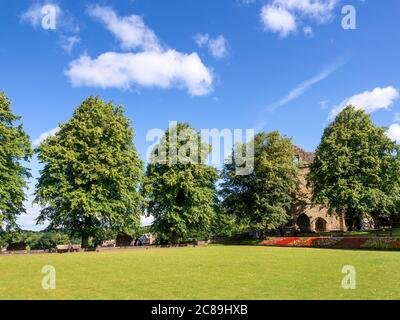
306, 215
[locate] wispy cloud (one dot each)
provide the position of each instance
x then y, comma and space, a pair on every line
245, 2
302, 88
218, 47
131, 30
68, 43
37, 142
66, 26
66, 22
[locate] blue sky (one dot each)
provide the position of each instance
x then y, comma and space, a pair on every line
284, 65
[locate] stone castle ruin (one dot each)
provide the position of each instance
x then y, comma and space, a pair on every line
307, 216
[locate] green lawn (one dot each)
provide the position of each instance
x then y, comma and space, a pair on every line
216, 272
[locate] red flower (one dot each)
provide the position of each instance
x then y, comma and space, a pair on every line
279, 241
286, 241
396, 245
309, 241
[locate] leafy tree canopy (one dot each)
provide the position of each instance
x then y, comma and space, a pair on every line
264, 196
14, 148
356, 170
92, 172
179, 186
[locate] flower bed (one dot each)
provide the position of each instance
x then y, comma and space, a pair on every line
286, 241
304, 242
383, 243
278, 242
351, 243
396, 245
325, 242
377, 243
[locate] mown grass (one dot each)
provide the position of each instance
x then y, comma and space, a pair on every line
216, 272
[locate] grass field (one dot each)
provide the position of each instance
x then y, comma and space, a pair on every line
216, 272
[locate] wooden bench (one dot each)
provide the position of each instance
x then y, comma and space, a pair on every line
75, 248
68, 248
62, 248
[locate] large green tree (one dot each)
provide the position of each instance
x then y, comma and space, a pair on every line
92, 173
263, 197
14, 148
356, 170
179, 186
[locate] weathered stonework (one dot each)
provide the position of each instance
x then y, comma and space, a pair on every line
306, 215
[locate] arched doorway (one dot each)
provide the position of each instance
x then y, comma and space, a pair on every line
320, 225
303, 222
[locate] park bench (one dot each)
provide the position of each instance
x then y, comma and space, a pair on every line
62, 248
75, 248
68, 248
109, 244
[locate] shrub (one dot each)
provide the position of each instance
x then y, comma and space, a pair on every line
386, 243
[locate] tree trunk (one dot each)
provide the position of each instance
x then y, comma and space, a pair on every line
351, 218
85, 236
85, 241
175, 238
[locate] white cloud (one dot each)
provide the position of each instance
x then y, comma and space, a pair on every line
65, 22
152, 66
246, 2
218, 46
285, 16
394, 132
320, 10
68, 43
308, 31
370, 101
278, 19
66, 26
131, 31
44, 136
202, 39
33, 15
147, 69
